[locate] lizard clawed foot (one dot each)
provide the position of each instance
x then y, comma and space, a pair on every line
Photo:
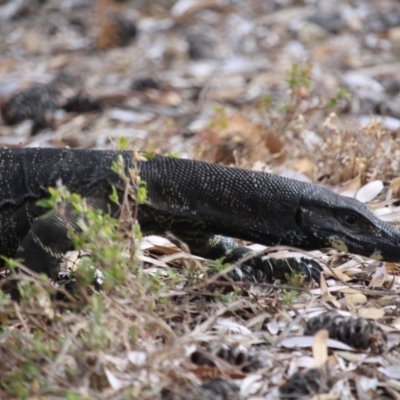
286, 266
267, 269
66, 276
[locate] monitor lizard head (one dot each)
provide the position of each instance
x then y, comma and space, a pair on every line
330, 220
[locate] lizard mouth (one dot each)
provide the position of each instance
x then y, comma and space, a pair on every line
383, 251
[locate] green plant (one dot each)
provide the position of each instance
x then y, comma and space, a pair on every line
220, 119
289, 297
299, 101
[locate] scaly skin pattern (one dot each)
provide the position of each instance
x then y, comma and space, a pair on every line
201, 204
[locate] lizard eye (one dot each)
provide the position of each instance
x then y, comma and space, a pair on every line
351, 219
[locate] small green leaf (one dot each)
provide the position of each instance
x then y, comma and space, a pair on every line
173, 154
148, 155
114, 195
118, 166
289, 296
266, 102
123, 143
45, 203
332, 103
342, 93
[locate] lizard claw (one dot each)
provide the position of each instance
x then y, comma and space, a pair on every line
247, 273
281, 267
67, 274
310, 268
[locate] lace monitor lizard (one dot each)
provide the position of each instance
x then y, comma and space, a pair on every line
202, 204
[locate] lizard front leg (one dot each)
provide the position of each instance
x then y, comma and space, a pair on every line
42, 247
254, 267
46, 242
208, 245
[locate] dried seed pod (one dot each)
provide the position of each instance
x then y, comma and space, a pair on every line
141, 84
126, 29
359, 332
216, 389
115, 30
82, 102
247, 359
307, 383
36, 103
39, 102
200, 45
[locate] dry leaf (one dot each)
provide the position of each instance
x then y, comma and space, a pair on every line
273, 327
46, 305
248, 383
306, 166
205, 372
185, 7
395, 186
339, 275
356, 298
372, 313
392, 268
325, 396
396, 323
137, 358
385, 301
326, 294
369, 191
274, 142
306, 362
229, 324
348, 290
350, 188
392, 387
356, 358
391, 371
378, 278
307, 341
320, 348
365, 384
113, 380
153, 261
